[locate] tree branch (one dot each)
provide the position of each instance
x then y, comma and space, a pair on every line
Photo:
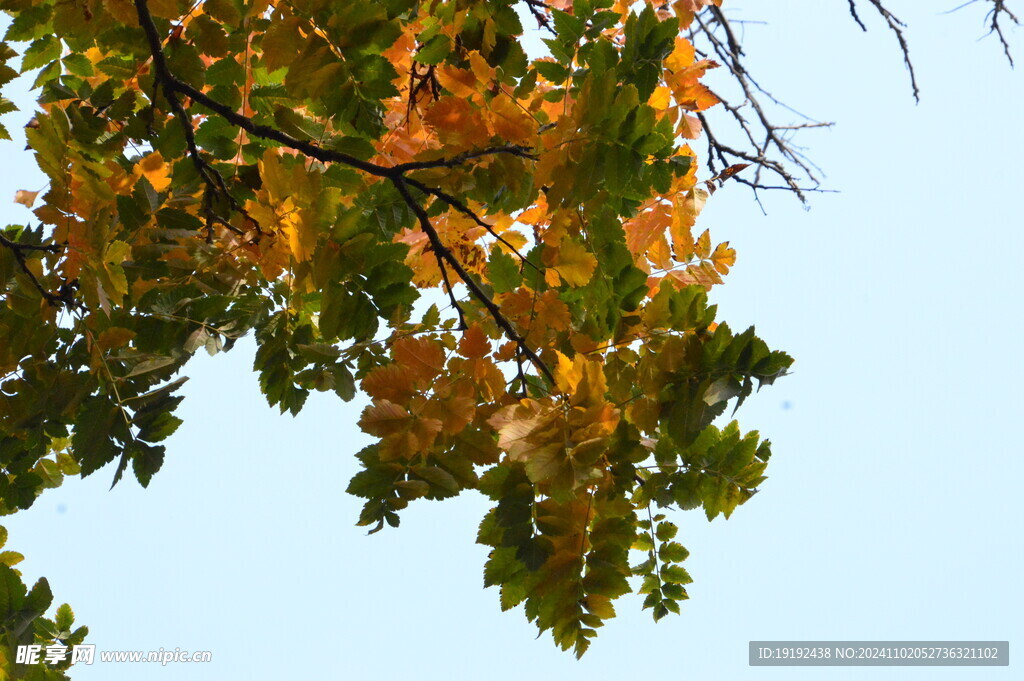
172, 87
444, 253
512, 149
541, 12
896, 26
466, 210
19, 250
767, 145
999, 10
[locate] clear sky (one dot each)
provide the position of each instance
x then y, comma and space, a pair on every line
891, 511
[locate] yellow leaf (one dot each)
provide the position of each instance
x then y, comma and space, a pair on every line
568, 372
275, 176
582, 379
528, 429
723, 258
686, 208
702, 274
702, 248
116, 252
302, 234
114, 337
661, 98
168, 9
575, 263
481, 69
686, 10
123, 10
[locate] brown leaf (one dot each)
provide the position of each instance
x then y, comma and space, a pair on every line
25, 197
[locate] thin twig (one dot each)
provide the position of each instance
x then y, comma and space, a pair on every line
999, 9
767, 144
512, 149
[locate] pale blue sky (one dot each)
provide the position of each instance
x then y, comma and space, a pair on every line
891, 511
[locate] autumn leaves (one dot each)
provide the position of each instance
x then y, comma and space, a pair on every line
303, 171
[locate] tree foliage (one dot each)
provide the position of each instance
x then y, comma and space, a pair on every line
307, 172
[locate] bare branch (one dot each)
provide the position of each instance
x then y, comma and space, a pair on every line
541, 12
856, 17
896, 26
998, 12
766, 144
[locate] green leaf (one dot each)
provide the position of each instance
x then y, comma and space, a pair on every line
39, 597
40, 53
435, 50
92, 440
65, 617
666, 531
12, 591
503, 272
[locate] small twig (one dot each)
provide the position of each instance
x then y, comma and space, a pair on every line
512, 149
856, 17
999, 8
896, 26
767, 145
540, 12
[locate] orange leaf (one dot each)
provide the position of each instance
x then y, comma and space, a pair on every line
474, 344
384, 418
456, 122
154, 169
509, 121
643, 230
422, 357
390, 382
